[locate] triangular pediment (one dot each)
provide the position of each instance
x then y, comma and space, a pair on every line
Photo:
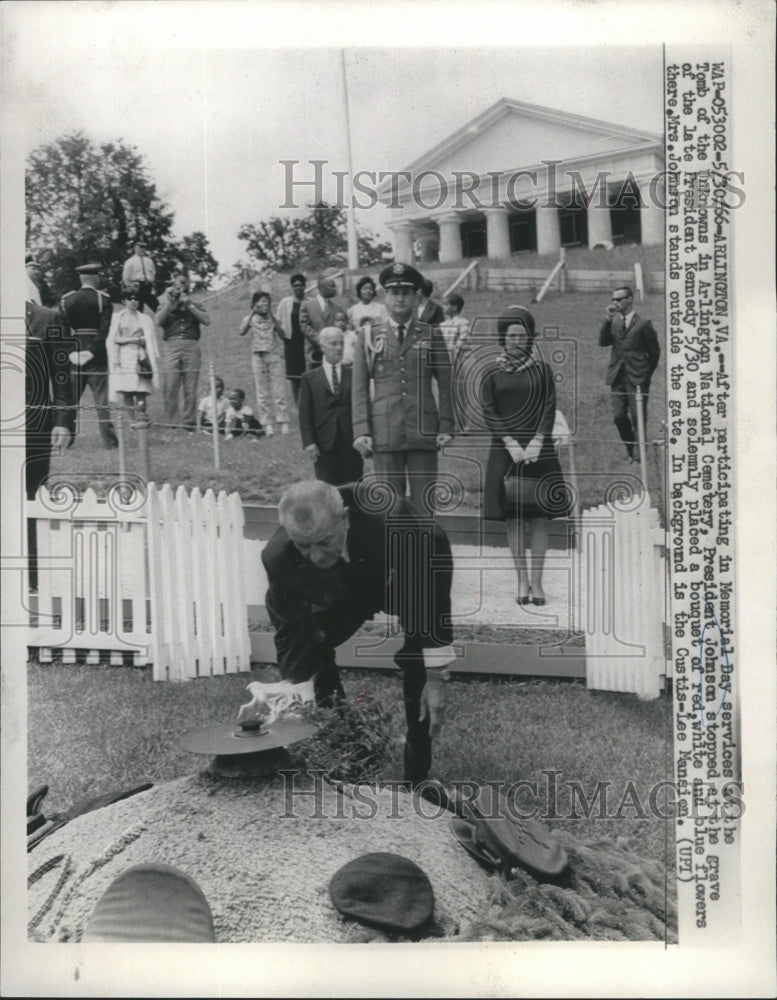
511, 135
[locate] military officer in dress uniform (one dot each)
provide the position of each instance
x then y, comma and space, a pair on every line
87, 311
399, 422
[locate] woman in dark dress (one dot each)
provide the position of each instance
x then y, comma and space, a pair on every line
519, 406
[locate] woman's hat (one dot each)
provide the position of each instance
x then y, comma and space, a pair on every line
516, 314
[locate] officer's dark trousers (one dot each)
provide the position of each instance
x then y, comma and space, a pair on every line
306, 648
98, 383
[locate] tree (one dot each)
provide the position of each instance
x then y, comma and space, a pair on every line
275, 244
311, 243
85, 199
193, 252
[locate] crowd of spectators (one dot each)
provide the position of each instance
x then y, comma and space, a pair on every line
390, 380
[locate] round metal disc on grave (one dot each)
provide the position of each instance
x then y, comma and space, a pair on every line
250, 751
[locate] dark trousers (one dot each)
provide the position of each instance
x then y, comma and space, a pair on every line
36, 470
341, 464
416, 468
294, 382
147, 297
306, 648
624, 411
98, 383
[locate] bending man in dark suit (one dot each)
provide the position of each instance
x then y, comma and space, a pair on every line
332, 565
633, 359
325, 414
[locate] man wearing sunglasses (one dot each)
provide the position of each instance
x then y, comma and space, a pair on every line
633, 359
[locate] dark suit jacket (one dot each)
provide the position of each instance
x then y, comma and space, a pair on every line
48, 390
91, 309
432, 314
321, 412
354, 591
312, 319
637, 351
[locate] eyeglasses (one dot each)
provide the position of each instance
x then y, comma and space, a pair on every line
623, 298
132, 298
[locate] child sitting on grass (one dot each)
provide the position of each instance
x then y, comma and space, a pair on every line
239, 420
205, 409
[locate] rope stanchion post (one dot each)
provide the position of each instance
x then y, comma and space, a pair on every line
141, 426
122, 443
641, 436
214, 415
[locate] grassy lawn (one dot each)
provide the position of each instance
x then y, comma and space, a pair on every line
569, 324
93, 730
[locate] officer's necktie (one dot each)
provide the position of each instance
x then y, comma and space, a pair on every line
401, 334
335, 380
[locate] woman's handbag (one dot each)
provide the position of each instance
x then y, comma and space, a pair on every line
521, 492
144, 364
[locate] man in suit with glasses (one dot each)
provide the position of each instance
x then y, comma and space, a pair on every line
633, 359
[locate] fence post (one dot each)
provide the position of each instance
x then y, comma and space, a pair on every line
641, 436
141, 426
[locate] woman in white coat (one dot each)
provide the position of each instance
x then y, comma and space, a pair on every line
133, 355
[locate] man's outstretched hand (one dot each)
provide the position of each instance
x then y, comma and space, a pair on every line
434, 699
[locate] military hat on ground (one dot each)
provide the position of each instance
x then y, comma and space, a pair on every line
30, 261
92, 267
383, 890
400, 274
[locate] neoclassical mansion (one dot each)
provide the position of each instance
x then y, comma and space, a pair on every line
520, 177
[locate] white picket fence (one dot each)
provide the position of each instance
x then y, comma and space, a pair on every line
156, 574
623, 586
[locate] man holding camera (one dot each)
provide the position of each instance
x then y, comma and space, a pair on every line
633, 359
180, 319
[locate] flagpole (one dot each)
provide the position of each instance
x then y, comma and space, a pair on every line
353, 246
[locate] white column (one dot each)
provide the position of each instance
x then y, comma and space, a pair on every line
402, 233
450, 236
599, 221
497, 233
548, 229
651, 215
